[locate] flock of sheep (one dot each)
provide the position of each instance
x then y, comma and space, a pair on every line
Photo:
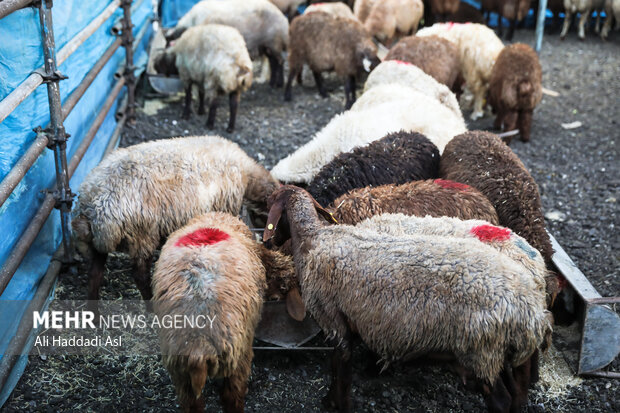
394, 223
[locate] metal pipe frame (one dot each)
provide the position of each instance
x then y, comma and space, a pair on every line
19, 340
130, 77
9, 6
25, 241
58, 136
20, 93
17, 173
120, 119
540, 24
121, 70
79, 91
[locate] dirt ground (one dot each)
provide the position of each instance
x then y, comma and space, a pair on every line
578, 171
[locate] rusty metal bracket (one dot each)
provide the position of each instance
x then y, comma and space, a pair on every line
55, 76
53, 139
61, 198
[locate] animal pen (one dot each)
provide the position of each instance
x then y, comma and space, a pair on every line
90, 54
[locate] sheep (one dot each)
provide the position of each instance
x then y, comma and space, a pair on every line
412, 77
338, 8
513, 10
466, 13
584, 8
612, 10
482, 160
436, 56
396, 158
515, 88
261, 23
406, 296
288, 7
326, 42
213, 57
388, 19
210, 268
439, 10
138, 195
361, 8
436, 198
360, 127
478, 48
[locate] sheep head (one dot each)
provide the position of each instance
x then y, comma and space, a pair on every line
83, 237
165, 63
366, 55
286, 198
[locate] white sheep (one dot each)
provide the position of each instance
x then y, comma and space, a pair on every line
138, 195
584, 8
612, 10
288, 7
337, 8
213, 57
411, 77
478, 47
261, 23
419, 113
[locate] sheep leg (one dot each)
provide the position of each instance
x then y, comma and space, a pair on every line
232, 394
212, 112
233, 103
187, 109
299, 77
597, 27
292, 74
535, 369
524, 123
510, 120
511, 29
339, 394
582, 23
95, 277
318, 79
194, 405
522, 379
273, 65
500, 28
349, 92
142, 276
499, 119
567, 21
497, 398
201, 101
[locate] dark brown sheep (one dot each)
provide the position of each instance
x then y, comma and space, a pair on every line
397, 158
482, 160
515, 88
437, 11
466, 13
437, 198
513, 10
325, 43
436, 56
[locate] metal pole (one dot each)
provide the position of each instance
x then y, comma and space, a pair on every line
58, 136
9, 6
130, 78
540, 23
121, 70
19, 170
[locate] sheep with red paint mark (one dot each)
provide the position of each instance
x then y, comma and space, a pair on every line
413, 294
212, 266
436, 198
482, 160
138, 195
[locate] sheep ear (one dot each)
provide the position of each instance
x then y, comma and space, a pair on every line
295, 306
324, 213
273, 218
81, 228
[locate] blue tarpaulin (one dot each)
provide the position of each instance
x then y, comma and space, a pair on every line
21, 52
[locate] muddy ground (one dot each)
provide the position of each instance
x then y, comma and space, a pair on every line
578, 172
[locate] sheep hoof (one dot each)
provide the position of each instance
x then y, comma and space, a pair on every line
229, 129
476, 115
329, 403
210, 126
185, 116
563, 37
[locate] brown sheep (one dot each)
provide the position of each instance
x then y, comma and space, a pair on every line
515, 88
437, 11
436, 56
326, 42
513, 10
211, 268
482, 160
436, 198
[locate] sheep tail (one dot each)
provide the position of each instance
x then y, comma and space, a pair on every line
199, 366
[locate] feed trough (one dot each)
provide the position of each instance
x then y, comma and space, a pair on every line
162, 84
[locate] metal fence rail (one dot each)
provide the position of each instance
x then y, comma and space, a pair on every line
55, 138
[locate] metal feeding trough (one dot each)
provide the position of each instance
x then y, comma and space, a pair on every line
278, 328
162, 84
600, 333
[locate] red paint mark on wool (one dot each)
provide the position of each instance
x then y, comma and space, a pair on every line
487, 233
451, 184
202, 236
402, 62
